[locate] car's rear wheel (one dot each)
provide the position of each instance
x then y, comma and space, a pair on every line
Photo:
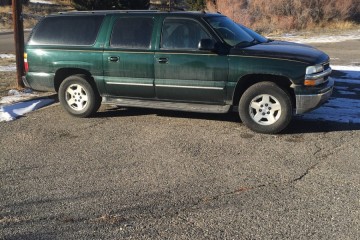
265, 108
78, 97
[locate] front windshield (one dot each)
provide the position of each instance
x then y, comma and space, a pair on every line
230, 32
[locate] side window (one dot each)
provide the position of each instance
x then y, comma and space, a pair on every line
67, 30
133, 33
182, 34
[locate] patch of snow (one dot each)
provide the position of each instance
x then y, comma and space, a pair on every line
17, 96
346, 68
352, 35
9, 68
12, 56
328, 39
14, 111
19, 103
41, 1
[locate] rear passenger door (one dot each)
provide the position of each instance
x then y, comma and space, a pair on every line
129, 59
182, 71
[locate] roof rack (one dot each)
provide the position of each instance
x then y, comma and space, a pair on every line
152, 10
109, 11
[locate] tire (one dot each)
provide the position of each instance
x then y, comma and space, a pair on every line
265, 108
78, 97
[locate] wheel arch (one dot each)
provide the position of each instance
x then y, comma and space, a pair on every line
62, 73
248, 80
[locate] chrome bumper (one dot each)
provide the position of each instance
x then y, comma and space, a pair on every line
306, 103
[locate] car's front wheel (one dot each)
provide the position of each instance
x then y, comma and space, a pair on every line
265, 108
78, 97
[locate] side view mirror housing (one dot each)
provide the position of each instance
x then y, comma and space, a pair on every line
207, 44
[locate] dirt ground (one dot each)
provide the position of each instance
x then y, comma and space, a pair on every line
7, 79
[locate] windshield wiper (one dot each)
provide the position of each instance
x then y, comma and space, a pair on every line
255, 41
242, 43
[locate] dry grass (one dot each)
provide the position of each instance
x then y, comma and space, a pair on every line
289, 15
63, 2
7, 61
338, 25
7, 79
7, 82
5, 9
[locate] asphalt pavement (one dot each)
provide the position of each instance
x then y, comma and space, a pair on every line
150, 174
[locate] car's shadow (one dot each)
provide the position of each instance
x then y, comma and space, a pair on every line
314, 126
297, 125
118, 111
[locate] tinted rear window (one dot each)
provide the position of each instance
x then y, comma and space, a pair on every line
134, 33
69, 30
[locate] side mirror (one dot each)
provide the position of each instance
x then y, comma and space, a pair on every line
207, 44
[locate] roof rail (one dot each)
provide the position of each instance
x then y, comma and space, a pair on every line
109, 11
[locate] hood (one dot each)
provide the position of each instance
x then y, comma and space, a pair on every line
279, 42
284, 50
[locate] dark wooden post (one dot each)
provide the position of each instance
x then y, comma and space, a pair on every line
19, 40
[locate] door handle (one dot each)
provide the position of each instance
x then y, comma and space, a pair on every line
113, 59
163, 60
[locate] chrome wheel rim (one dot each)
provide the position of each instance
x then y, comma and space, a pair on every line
265, 109
76, 97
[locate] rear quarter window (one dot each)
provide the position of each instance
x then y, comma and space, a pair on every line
67, 30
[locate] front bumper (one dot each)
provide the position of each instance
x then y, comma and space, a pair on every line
308, 102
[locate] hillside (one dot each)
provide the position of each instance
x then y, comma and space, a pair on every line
286, 15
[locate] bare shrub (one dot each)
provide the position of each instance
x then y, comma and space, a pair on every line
287, 14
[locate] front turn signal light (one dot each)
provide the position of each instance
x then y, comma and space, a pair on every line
310, 83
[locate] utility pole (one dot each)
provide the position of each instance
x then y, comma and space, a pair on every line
19, 40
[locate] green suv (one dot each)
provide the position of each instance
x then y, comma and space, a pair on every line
186, 61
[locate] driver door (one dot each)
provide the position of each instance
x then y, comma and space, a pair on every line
182, 71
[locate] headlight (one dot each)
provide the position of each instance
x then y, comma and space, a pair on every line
314, 69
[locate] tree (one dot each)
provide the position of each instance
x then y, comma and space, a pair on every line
110, 4
196, 4
165, 5
136, 4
